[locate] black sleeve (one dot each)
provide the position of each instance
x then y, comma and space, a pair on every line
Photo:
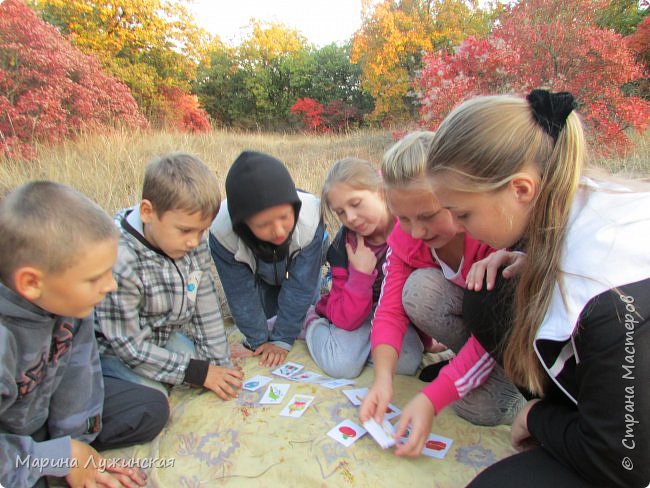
606, 436
337, 254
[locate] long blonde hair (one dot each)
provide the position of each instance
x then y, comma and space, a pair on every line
354, 172
483, 143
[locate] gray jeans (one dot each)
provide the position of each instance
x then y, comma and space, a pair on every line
435, 305
114, 367
343, 353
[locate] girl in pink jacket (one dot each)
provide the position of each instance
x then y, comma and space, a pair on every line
339, 339
427, 263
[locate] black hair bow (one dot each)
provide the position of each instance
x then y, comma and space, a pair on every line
551, 109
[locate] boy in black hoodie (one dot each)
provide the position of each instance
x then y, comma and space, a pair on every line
267, 243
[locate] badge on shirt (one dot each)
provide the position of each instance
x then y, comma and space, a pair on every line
193, 285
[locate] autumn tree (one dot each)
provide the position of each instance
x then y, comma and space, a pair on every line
336, 116
532, 48
392, 39
151, 45
256, 83
639, 43
48, 89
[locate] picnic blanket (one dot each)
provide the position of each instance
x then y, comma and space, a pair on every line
209, 442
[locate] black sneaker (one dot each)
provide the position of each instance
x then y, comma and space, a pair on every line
430, 373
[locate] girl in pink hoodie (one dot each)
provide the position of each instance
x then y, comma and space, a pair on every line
339, 338
428, 261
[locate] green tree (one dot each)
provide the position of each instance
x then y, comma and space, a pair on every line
336, 78
256, 84
623, 15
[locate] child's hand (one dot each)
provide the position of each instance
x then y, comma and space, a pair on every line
419, 413
487, 268
128, 477
362, 258
376, 400
271, 355
519, 434
92, 470
223, 381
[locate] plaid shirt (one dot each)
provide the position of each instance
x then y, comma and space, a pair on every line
157, 296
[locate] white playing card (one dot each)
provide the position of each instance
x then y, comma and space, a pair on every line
383, 433
335, 383
306, 377
437, 446
275, 393
297, 406
288, 369
256, 382
346, 432
356, 395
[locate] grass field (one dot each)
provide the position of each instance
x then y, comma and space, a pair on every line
109, 167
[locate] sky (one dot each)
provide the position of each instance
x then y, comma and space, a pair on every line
320, 21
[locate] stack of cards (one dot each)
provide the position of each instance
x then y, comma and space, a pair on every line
383, 433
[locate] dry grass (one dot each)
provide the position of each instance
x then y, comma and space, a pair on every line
110, 167
637, 163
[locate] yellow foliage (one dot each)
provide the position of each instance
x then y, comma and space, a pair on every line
393, 37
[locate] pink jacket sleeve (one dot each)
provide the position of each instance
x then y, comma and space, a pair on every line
349, 301
465, 372
390, 321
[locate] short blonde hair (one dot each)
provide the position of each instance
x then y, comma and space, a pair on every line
180, 181
405, 161
48, 225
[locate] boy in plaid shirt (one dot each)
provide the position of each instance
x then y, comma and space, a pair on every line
165, 284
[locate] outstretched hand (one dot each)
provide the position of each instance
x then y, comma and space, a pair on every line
376, 401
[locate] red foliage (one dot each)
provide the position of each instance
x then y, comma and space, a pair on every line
48, 89
312, 114
183, 111
551, 44
340, 115
639, 42
337, 116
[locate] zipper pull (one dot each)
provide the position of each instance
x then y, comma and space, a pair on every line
286, 275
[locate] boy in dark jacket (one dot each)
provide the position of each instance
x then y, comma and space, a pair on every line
58, 249
267, 243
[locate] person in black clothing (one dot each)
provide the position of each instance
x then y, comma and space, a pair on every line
572, 328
